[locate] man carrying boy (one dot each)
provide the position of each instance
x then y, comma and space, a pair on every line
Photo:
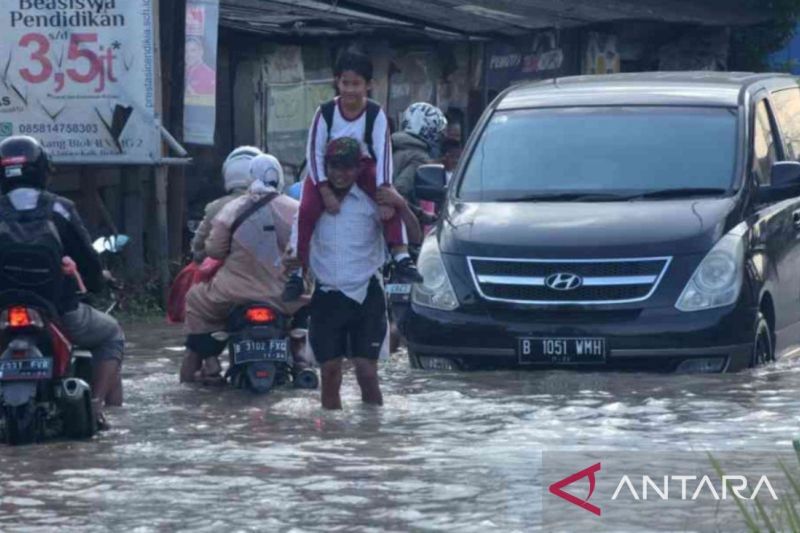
347, 252
352, 114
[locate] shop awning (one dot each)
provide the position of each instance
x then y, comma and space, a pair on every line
463, 19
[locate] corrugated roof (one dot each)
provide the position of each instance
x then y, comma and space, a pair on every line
448, 19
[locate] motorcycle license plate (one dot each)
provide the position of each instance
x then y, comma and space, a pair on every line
274, 350
398, 292
26, 369
398, 288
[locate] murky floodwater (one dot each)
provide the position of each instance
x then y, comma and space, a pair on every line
448, 452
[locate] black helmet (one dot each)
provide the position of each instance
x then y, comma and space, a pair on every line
24, 163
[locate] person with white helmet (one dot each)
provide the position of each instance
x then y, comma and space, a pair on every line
237, 178
249, 234
422, 129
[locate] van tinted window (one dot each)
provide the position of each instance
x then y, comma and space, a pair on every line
786, 104
604, 149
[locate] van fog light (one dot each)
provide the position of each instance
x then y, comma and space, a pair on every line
704, 365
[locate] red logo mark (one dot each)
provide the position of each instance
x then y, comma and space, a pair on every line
556, 488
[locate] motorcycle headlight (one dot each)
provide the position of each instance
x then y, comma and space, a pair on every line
436, 291
717, 282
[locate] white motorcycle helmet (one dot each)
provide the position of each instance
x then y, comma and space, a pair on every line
268, 170
424, 121
236, 168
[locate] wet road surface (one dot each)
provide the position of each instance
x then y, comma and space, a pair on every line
448, 452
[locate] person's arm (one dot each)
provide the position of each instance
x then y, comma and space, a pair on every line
202, 233
77, 244
315, 149
406, 176
390, 196
218, 244
382, 146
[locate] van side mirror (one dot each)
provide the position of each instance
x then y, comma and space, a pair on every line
785, 182
430, 183
785, 174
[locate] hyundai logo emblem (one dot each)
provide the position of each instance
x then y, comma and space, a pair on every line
563, 281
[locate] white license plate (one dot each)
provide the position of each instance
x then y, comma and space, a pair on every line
275, 350
556, 350
26, 369
398, 288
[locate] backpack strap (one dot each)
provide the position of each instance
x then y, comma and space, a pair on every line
373, 109
327, 110
244, 215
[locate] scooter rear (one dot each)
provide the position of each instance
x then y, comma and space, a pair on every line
260, 351
41, 395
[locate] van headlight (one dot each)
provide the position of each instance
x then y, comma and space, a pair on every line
436, 291
717, 282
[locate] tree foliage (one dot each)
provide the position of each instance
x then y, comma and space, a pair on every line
750, 46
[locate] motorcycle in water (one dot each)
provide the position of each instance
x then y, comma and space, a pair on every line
259, 349
44, 380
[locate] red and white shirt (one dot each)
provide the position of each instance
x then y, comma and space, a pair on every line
318, 139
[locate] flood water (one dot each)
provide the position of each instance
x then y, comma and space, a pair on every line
448, 452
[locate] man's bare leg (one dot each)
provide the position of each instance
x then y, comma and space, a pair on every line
332, 384
104, 378
367, 376
114, 396
189, 366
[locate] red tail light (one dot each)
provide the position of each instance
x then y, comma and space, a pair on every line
18, 317
260, 315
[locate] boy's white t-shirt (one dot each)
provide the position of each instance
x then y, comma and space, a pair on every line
318, 139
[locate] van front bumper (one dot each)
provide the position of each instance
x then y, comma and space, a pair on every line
647, 339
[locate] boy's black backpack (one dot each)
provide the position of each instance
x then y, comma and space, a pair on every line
373, 109
31, 249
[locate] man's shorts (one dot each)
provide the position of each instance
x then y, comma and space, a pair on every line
93, 330
342, 327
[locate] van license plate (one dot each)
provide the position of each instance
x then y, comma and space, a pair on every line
26, 369
246, 351
558, 350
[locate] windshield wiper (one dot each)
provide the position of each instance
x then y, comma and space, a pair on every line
679, 193
565, 197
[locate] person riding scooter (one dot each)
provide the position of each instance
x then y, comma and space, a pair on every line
418, 142
237, 178
27, 211
250, 235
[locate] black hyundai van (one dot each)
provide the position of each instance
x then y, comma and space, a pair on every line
637, 220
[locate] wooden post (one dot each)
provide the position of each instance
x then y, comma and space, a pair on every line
160, 181
134, 222
161, 172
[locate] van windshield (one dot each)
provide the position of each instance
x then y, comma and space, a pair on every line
597, 153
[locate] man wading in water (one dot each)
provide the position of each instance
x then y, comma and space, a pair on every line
347, 253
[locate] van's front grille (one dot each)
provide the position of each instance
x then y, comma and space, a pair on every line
568, 282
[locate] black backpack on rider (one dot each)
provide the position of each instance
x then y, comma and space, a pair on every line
30, 252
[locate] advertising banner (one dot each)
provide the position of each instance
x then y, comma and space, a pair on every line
200, 96
79, 76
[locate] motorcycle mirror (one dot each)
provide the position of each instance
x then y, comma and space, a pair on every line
112, 243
